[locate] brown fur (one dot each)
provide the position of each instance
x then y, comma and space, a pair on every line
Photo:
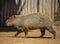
33, 21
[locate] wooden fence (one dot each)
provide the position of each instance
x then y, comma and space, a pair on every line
46, 7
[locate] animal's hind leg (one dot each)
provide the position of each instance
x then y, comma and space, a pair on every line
19, 31
42, 32
51, 30
26, 32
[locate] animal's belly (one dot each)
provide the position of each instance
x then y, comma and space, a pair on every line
34, 26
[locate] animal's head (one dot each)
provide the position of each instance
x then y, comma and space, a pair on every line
10, 21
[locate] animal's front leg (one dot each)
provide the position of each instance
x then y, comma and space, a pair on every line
19, 31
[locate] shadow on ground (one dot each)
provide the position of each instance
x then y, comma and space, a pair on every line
31, 37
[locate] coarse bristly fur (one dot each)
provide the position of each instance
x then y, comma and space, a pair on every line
24, 23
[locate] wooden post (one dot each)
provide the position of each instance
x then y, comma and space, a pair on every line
37, 5
52, 9
17, 1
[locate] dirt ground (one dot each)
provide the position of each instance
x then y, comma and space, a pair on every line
32, 38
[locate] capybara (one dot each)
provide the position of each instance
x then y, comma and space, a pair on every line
34, 21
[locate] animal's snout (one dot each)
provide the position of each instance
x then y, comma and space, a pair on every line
6, 23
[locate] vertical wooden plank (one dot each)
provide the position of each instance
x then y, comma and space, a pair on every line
43, 7
34, 6
20, 6
29, 11
2, 14
49, 6
52, 15
31, 5
56, 7
8, 11
5, 12
24, 7
27, 6
37, 5
16, 1
40, 6
46, 7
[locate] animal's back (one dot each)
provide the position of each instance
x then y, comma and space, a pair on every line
36, 20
